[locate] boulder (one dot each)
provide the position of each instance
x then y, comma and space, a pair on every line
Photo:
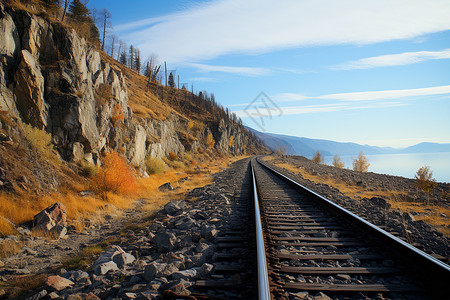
173, 208
102, 269
58, 283
123, 259
164, 241
155, 270
50, 217
166, 187
116, 255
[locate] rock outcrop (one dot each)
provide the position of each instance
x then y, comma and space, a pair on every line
55, 80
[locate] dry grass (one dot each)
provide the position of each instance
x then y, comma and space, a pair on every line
353, 191
9, 248
20, 287
435, 215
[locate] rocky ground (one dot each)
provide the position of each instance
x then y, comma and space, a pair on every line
173, 250
377, 210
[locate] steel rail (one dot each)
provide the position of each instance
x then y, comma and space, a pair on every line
439, 271
263, 277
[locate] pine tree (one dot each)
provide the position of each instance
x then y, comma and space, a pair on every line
78, 10
123, 58
137, 60
171, 80
131, 57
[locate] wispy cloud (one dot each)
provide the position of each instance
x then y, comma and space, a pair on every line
254, 26
390, 60
349, 101
367, 96
321, 108
290, 97
389, 94
203, 79
247, 71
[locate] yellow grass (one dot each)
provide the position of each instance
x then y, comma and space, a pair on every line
9, 248
430, 214
353, 191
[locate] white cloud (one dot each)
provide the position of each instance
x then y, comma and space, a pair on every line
290, 97
389, 94
203, 79
313, 109
254, 26
369, 95
400, 59
232, 70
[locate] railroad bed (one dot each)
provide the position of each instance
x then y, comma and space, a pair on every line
314, 246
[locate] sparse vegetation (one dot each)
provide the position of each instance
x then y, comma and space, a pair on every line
318, 158
155, 165
424, 179
361, 164
210, 142
337, 162
40, 141
231, 141
173, 156
279, 151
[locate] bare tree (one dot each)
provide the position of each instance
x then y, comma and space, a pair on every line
105, 19
113, 44
122, 47
66, 4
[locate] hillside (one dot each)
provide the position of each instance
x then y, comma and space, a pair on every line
65, 106
294, 145
54, 80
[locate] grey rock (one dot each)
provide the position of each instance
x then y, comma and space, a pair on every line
174, 207
104, 268
166, 187
38, 296
321, 296
205, 270
164, 241
209, 232
149, 295
178, 286
50, 217
123, 259
190, 274
154, 270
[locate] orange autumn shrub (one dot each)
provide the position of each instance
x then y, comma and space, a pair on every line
115, 176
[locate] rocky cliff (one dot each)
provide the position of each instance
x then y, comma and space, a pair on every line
53, 79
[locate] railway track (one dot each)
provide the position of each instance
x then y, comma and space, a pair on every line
308, 245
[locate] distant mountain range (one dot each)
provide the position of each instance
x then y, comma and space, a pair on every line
308, 147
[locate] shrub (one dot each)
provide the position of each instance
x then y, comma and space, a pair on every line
337, 162
40, 141
318, 158
424, 179
88, 169
210, 141
231, 141
155, 165
115, 176
190, 125
173, 156
361, 164
279, 151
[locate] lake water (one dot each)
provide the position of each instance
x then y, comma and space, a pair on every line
405, 165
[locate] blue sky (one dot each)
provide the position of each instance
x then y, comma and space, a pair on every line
371, 72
